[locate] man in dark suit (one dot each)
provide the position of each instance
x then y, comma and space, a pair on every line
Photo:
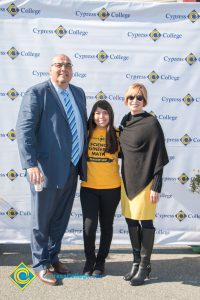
51, 126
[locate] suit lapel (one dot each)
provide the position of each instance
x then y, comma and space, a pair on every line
78, 102
57, 99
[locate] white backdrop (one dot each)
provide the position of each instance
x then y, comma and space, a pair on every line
111, 45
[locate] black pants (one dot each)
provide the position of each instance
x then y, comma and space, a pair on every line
98, 204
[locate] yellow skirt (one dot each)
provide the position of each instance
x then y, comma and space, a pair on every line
140, 207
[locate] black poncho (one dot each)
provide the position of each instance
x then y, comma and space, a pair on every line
143, 151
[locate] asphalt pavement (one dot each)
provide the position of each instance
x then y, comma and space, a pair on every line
175, 275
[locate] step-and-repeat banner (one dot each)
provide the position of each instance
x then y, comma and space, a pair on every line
111, 44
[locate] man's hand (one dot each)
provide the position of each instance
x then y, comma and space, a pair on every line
35, 175
154, 197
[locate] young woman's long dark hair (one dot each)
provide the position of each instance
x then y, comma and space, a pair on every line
111, 137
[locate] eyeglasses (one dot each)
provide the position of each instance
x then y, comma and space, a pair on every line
137, 97
60, 65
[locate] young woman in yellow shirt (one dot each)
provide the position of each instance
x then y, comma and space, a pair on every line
100, 194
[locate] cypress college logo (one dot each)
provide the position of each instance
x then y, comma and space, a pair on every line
153, 76
155, 35
183, 178
14, 53
186, 139
11, 135
7, 209
12, 175
190, 59
60, 31
193, 16
103, 14
101, 96
188, 99
180, 215
12, 94
12, 9
22, 276
102, 56
12, 213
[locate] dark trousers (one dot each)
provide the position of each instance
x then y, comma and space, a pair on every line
98, 204
50, 212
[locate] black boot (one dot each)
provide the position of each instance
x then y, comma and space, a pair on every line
89, 267
134, 234
104, 247
99, 267
89, 248
146, 250
90, 261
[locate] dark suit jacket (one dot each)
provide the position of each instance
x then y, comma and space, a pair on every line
44, 136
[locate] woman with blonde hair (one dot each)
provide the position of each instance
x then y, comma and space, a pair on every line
143, 157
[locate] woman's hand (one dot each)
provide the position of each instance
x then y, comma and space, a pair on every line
154, 197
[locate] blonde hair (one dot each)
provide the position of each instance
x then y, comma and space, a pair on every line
141, 88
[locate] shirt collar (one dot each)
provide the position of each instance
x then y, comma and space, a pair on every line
58, 89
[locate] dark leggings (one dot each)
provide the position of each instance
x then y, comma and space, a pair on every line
136, 223
98, 204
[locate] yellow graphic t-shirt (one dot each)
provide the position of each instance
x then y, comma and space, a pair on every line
102, 167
